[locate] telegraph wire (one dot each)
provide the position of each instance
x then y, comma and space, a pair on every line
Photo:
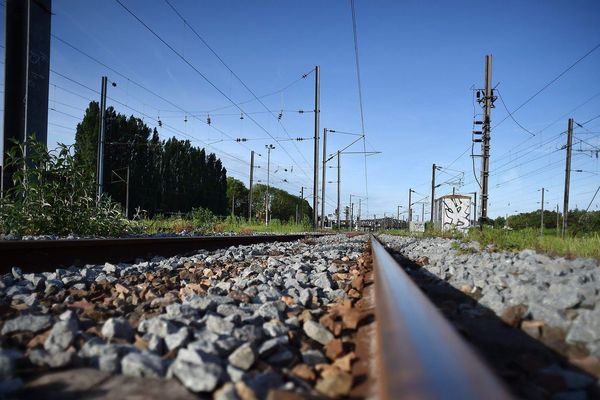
510, 114
360, 100
550, 83
186, 61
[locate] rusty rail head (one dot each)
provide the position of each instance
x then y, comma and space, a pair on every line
420, 356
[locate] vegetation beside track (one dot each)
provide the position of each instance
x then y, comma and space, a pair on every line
495, 239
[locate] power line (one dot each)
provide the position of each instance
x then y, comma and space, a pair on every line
549, 83
360, 100
156, 94
186, 61
510, 114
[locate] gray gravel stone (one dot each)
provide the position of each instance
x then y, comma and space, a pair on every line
61, 335
178, 339
143, 364
243, 357
317, 332
586, 327
271, 345
197, 377
117, 328
274, 328
313, 357
157, 326
43, 358
109, 363
27, 323
219, 325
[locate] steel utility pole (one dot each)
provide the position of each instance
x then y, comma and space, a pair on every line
542, 216
301, 203
324, 178
339, 179
433, 168
359, 209
316, 157
269, 147
485, 144
26, 76
567, 177
101, 134
409, 206
127, 196
251, 182
557, 221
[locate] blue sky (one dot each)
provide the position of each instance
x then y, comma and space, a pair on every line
419, 61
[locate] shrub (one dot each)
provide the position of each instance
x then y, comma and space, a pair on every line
52, 195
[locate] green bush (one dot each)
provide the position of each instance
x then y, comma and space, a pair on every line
203, 219
52, 195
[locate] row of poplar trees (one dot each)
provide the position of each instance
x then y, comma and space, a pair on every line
165, 176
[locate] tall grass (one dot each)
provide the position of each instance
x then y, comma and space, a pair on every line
209, 224
517, 240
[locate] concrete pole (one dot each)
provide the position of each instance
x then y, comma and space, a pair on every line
316, 145
251, 182
567, 177
339, 182
127, 196
324, 178
101, 137
486, 129
432, 191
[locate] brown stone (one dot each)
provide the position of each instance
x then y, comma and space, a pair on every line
288, 300
358, 283
345, 363
121, 289
334, 349
334, 382
305, 316
38, 340
351, 318
532, 328
280, 394
337, 329
305, 372
83, 304
514, 314
423, 260
327, 321
140, 343
589, 364
244, 391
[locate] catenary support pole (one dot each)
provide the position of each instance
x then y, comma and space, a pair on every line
409, 206
485, 144
432, 191
542, 215
557, 221
316, 139
567, 177
267, 198
324, 178
101, 137
127, 196
301, 203
339, 182
251, 182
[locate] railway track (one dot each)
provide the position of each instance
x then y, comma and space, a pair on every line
44, 255
408, 350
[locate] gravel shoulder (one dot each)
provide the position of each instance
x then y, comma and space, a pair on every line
535, 318
234, 323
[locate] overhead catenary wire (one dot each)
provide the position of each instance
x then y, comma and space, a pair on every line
203, 76
550, 83
360, 100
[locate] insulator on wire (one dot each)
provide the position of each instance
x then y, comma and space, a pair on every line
185, 119
208, 119
242, 116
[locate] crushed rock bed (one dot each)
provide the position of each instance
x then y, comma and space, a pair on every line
238, 322
552, 300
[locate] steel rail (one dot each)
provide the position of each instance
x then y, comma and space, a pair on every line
45, 255
420, 356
